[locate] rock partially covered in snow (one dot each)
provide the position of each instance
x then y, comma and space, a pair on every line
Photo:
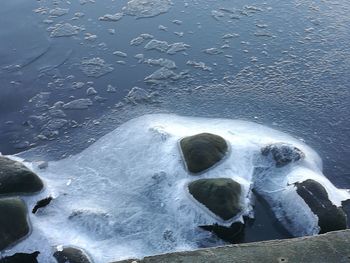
71, 255
220, 195
330, 217
202, 151
21, 258
13, 221
282, 153
17, 178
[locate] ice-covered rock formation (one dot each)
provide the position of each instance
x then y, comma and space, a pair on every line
128, 194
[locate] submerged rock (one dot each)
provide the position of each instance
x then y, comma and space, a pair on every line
17, 178
21, 258
13, 221
330, 217
220, 195
202, 151
283, 153
233, 234
71, 255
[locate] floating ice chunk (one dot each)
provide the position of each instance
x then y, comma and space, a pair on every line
120, 54
137, 95
95, 67
163, 28
140, 57
64, 30
90, 37
160, 74
177, 47
177, 22
58, 11
147, 8
217, 14
163, 62
200, 65
111, 88
78, 104
212, 51
161, 46
111, 18
230, 35
91, 91
140, 39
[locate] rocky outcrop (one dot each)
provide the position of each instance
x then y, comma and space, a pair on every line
330, 217
21, 258
202, 151
220, 195
282, 153
17, 178
13, 221
71, 255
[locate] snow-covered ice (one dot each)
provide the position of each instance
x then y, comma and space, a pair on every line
126, 195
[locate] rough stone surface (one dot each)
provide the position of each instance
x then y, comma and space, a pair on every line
71, 255
21, 258
283, 153
233, 234
330, 217
13, 221
219, 195
330, 247
202, 151
16, 178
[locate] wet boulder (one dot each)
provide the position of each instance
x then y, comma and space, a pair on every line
21, 258
330, 217
17, 178
13, 221
282, 153
71, 255
220, 195
233, 234
202, 151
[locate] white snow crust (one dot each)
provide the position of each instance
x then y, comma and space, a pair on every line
126, 195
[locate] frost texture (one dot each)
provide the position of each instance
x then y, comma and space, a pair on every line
147, 8
126, 195
95, 67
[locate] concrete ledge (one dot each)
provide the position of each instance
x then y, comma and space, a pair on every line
326, 248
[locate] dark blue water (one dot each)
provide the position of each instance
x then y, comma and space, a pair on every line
287, 66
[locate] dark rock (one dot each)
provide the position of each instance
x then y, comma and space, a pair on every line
13, 221
202, 151
233, 234
283, 153
219, 195
71, 255
17, 178
330, 217
21, 258
42, 203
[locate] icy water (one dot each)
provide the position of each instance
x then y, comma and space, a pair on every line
69, 69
